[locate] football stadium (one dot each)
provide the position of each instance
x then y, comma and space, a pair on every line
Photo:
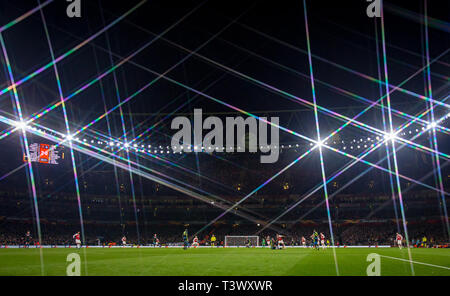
217, 138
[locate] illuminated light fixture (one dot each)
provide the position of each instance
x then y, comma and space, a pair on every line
126, 145
135, 145
320, 143
390, 136
432, 125
69, 137
111, 143
21, 124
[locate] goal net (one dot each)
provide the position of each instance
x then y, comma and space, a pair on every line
241, 240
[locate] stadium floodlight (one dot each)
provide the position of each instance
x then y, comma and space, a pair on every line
432, 125
69, 137
320, 143
21, 124
390, 136
126, 145
241, 240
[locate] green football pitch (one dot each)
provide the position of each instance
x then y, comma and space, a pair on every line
224, 262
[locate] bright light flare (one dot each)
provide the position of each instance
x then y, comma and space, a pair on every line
320, 143
432, 125
21, 125
390, 136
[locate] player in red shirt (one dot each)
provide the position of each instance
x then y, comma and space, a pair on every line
322, 240
76, 236
399, 239
280, 241
124, 241
195, 242
303, 242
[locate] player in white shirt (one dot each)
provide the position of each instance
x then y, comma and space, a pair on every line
124, 241
76, 236
155, 241
399, 239
195, 242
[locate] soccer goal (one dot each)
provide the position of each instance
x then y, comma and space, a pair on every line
241, 240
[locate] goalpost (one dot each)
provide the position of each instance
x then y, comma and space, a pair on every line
241, 240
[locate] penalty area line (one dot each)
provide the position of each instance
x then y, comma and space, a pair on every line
416, 262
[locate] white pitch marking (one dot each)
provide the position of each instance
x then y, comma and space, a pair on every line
416, 262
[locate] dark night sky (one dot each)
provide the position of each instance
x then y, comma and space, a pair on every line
267, 42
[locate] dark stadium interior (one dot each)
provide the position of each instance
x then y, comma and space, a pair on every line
252, 38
